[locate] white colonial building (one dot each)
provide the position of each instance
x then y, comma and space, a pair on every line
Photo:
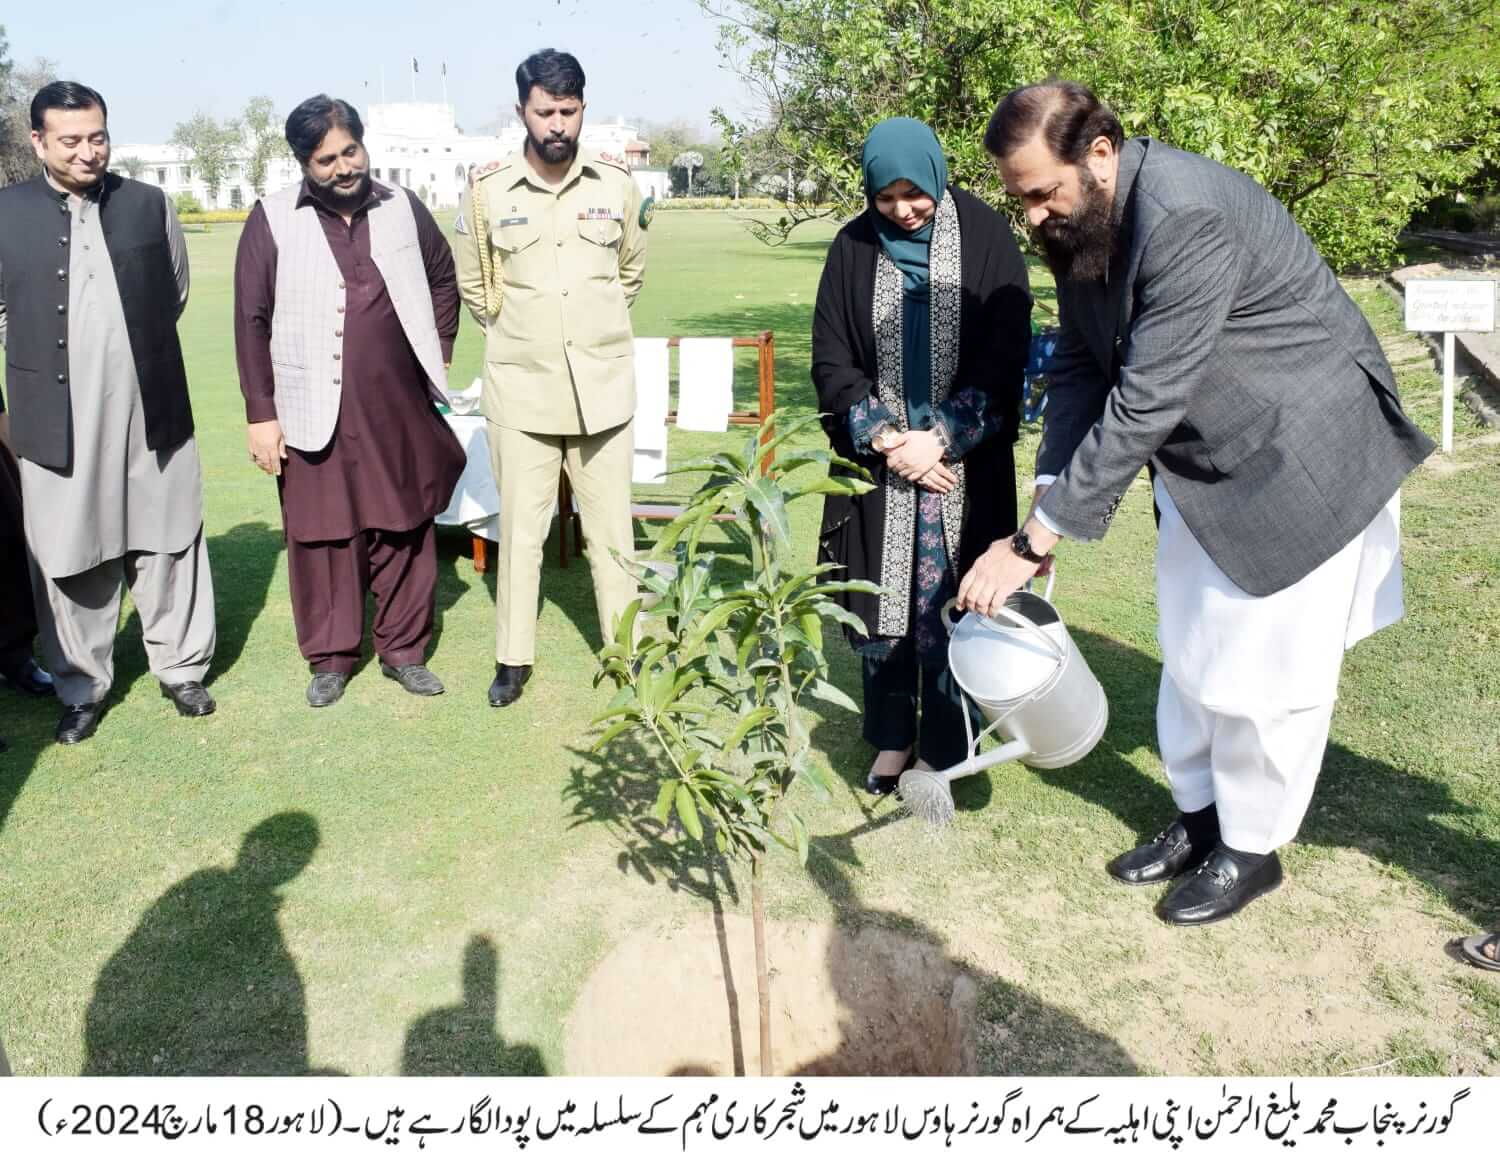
417, 146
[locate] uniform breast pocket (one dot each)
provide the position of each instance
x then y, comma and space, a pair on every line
601, 252
514, 238
515, 243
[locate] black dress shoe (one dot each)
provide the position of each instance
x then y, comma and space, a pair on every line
506, 687
414, 678
326, 688
26, 677
1221, 887
1166, 856
190, 698
79, 722
883, 784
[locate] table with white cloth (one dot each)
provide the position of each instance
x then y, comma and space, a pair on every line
476, 502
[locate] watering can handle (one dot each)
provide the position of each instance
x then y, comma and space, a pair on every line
1051, 581
1010, 615
951, 624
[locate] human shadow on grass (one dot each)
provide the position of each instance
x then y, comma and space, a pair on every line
205, 984
242, 561
455, 580
26, 729
905, 1006
461, 1039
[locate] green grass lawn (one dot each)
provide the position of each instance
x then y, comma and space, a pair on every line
408, 843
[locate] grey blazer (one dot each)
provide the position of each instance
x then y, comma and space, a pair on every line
1222, 350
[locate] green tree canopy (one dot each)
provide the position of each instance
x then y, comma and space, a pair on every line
1352, 112
213, 147
264, 139
17, 86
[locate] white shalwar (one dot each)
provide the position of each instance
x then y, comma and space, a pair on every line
1248, 683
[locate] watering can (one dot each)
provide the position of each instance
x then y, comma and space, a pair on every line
1021, 668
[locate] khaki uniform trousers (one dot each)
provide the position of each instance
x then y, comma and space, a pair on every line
526, 468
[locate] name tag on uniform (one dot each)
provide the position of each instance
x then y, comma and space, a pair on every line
601, 215
513, 221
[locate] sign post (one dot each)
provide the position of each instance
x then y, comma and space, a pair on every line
1448, 307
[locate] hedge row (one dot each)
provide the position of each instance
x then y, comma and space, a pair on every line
689, 204
217, 217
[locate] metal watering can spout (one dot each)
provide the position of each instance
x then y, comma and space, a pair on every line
1021, 668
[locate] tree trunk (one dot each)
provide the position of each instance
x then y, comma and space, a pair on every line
762, 977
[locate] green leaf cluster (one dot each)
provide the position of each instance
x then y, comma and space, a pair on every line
711, 667
1354, 113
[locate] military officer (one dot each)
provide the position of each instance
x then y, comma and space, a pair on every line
551, 253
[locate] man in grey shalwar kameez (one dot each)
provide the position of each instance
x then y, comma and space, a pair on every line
93, 276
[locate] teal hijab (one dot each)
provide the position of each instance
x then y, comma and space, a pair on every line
904, 149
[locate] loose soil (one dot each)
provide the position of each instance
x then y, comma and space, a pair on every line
844, 1001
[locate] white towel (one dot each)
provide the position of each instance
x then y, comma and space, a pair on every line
705, 383
652, 381
647, 466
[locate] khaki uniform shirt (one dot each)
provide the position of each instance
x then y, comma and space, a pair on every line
568, 262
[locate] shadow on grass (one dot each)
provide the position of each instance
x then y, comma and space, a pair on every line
242, 561
205, 984
616, 788
455, 578
1014, 1032
1402, 819
461, 1039
24, 729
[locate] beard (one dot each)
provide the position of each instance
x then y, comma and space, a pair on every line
1079, 247
337, 196
553, 149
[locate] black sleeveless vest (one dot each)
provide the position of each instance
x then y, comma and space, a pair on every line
35, 228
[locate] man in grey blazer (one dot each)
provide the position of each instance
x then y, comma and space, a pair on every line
1205, 338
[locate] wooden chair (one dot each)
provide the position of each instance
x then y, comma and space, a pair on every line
568, 521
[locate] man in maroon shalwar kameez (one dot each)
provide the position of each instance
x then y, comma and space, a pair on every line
340, 369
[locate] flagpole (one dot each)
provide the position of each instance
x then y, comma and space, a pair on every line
445, 82
414, 80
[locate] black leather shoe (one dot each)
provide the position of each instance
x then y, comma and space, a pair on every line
190, 698
79, 722
26, 677
883, 784
1219, 888
415, 679
326, 688
1166, 856
506, 687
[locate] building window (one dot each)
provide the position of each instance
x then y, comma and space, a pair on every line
161, 177
236, 200
187, 174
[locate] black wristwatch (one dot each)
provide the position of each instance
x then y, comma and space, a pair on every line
1020, 545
